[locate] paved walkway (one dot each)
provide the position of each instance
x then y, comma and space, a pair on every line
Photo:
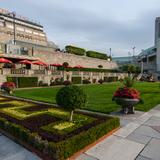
138, 139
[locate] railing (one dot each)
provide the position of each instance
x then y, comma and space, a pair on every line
39, 71
56, 73
96, 73
19, 71
86, 73
76, 73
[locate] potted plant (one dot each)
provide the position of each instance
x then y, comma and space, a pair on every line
8, 87
127, 97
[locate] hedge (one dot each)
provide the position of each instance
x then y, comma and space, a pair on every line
75, 50
66, 148
110, 79
22, 82
94, 54
76, 80
89, 69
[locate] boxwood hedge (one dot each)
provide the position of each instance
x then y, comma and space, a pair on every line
75, 50
63, 149
95, 54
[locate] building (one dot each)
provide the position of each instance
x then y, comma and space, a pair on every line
123, 60
23, 39
149, 59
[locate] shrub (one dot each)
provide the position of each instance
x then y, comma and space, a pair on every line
58, 81
24, 81
41, 83
100, 81
89, 69
63, 149
110, 79
8, 86
94, 54
71, 97
75, 50
76, 80
100, 66
65, 64
67, 82
86, 81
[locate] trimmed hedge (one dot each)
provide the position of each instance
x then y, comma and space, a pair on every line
110, 79
89, 69
64, 149
95, 54
76, 80
75, 50
23, 82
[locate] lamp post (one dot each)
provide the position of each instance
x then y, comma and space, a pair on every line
13, 14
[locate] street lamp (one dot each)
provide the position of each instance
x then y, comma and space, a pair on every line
13, 14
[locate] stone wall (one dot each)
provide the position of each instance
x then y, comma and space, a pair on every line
73, 60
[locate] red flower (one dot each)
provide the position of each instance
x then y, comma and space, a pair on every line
127, 93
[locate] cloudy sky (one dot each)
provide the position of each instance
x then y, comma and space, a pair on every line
93, 24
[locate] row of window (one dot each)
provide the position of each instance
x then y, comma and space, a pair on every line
10, 26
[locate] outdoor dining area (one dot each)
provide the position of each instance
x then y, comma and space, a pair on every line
30, 67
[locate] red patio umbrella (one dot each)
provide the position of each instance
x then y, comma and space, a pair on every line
78, 66
25, 62
3, 60
56, 65
40, 63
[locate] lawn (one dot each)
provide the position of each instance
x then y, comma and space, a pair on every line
99, 96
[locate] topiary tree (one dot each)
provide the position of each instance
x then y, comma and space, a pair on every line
70, 98
100, 66
65, 64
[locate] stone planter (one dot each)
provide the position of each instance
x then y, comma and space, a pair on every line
127, 104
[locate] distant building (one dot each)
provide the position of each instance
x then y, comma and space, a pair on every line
123, 60
149, 58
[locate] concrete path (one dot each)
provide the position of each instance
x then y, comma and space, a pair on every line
10, 150
137, 139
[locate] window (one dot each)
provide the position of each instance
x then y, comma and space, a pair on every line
28, 31
20, 29
10, 26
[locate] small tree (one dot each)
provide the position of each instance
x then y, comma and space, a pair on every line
65, 64
70, 98
100, 66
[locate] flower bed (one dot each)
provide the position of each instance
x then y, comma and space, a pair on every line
49, 132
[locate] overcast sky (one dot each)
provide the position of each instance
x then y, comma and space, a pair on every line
93, 24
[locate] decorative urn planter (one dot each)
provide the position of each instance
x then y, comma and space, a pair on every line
127, 104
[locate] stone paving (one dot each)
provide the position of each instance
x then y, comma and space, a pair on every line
137, 139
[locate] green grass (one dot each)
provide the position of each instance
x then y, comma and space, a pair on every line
99, 96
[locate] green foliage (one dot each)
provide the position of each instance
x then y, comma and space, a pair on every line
22, 82
95, 54
65, 64
71, 97
128, 81
130, 68
110, 79
76, 80
64, 149
89, 69
100, 66
75, 50
86, 81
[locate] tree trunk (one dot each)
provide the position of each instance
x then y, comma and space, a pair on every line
71, 116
